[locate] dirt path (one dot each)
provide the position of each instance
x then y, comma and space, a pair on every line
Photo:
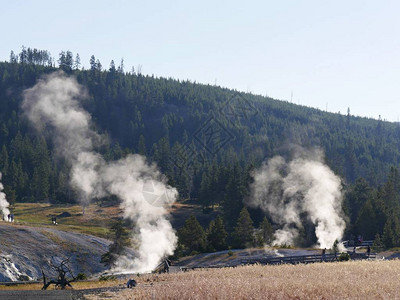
40, 295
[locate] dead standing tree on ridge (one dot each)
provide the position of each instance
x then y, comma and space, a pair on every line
61, 281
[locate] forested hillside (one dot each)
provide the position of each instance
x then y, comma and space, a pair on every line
205, 139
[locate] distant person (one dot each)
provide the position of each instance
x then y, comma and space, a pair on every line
323, 256
9, 217
368, 251
354, 250
166, 265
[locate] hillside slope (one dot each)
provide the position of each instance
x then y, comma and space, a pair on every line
205, 139
25, 250
167, 120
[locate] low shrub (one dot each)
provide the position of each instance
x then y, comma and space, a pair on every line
344, 256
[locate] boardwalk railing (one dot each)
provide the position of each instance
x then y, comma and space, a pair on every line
305, 259
358, 244
301, 259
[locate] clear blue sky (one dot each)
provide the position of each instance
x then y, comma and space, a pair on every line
340, 53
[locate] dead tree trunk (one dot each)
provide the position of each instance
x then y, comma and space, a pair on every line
61, 281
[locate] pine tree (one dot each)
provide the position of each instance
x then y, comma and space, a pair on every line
98, 65
4, 160
387, 237
378, 244
93, 63
120, 242
244, 230
13, 58
142, 146
366, 223
121, 66
216, 235
391, 232
77, 62
112, 68
234, 195
205, 191
266, 233
192, 236
40, 183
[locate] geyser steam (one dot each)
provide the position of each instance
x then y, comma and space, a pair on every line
53, 105
303, 187
3, 202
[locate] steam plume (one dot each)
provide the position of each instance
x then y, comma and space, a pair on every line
125, 179
53, 105
3, 202
303, 187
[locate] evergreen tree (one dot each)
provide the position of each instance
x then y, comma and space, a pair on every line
4, 160
378, 244
265, 234
92, 62
244, 230
142, 146
205, 191
98, 65
216, 235
235, 193
391, 232
77, 62
13, 58
112, 68
121, 66
366, 223
192, 236
120, 242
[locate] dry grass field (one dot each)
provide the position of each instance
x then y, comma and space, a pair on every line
97, 220
346, 280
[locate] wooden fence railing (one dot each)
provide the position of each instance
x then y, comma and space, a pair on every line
358, 244
305, 259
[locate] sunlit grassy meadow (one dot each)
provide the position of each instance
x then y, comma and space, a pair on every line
342, 280
96, 220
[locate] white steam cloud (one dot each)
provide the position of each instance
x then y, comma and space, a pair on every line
3, 202
302, 188
53, 105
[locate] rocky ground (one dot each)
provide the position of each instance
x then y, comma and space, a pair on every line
25, 250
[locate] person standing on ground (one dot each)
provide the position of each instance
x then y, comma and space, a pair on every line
323, 256
166, 265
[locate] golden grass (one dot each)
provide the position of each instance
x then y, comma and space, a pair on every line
345, 280
96, 220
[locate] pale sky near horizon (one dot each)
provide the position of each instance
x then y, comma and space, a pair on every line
335, 54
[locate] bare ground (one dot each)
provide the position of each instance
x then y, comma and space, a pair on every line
25, 250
